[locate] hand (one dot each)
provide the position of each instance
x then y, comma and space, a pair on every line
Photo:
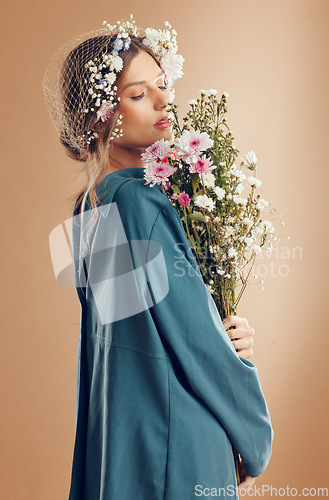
247, 481
241, 335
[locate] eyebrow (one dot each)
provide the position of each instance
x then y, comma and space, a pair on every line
140, 82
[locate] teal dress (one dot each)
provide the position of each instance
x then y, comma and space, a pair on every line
161, 393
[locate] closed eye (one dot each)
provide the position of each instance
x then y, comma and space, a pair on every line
141, 95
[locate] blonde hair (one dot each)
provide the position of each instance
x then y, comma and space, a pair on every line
94, 157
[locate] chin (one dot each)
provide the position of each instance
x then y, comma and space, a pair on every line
167, 135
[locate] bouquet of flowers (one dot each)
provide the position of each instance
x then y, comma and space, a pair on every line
198, 174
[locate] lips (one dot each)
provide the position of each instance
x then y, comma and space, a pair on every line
164, 119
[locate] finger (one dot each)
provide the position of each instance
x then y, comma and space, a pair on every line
245, 353
238, 333
227, 322
244, 343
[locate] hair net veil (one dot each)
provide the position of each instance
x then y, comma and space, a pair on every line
65, 84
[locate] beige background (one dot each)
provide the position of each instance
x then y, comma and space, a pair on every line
272, 59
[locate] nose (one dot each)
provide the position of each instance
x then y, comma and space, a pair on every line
162, 98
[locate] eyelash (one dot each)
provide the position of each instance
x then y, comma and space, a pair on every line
141, 95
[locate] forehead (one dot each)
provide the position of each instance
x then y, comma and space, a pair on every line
142, 67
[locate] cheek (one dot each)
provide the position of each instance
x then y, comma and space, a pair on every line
134, 116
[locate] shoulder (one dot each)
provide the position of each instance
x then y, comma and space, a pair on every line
136, 194
137, 204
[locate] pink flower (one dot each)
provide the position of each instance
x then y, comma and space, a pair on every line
202, 166
184, 199
171, 64
191, 143
156, 152
166, 185
158, 173
105, 111
173, 196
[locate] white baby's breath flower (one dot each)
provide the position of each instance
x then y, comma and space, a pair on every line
239, 188
248, 222
257, 249
220, 271
261, 203
249, 241
267, 226
235, 172
228, 231
191, 102
241, 201
232, 252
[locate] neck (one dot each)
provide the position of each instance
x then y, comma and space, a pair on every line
125, 157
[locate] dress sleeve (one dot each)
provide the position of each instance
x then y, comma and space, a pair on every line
194, 336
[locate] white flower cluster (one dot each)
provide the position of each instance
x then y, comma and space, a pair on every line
219, 192
236, 172
254, 182
208, 179
208, 92
159, 39
103, 69
203, 201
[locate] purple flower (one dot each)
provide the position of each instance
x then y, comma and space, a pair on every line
118, 44
127, 43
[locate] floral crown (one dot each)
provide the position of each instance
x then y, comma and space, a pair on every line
96, 77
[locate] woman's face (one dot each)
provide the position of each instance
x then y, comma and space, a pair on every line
143, 102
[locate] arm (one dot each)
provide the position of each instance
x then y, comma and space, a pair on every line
193, 333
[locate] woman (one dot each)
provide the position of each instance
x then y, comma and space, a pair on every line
162, 391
